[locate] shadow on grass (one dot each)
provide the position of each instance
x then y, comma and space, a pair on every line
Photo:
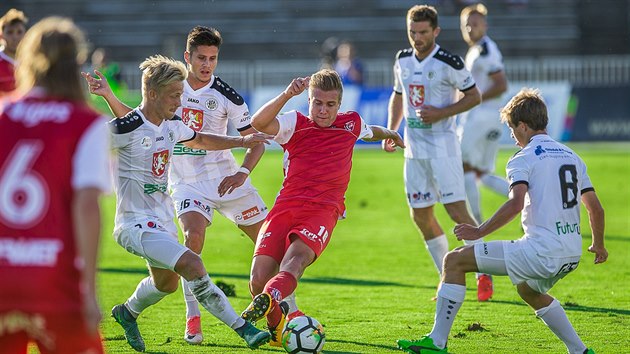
316, 280
361, 344
571, 307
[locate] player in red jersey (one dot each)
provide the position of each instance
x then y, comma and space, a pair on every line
318, 158
13, 25
53, 167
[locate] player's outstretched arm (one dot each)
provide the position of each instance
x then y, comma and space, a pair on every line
390, 136
597, 221
206, 141
394, 117
504, 215
252, 156
100, 87
264, 120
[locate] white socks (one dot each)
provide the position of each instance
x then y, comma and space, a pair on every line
473, 195
192, 305
215, 301
449, 300
145, 295
290, 300
496, 183
556, 319
438, 248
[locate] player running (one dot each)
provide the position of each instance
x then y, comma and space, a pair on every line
318, 157
145, 140
547, 182
204, 181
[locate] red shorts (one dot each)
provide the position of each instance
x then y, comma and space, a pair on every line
53, 333
312, 223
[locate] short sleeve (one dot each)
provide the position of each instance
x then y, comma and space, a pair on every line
462, 79
398, 87
183, 133
239, 116
90, 163
366, 131
287, 122
517, 170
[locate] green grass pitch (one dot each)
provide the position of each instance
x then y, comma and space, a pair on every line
374, 283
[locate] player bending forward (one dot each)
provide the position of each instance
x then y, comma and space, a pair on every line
318, 157
553, 180
145, 139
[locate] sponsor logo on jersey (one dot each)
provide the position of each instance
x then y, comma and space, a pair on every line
159, 138
181, 149
416, 95
349, 126
202, 206
419, 196
31, 114
23, 253
212, 104
193, 100
146, 142
16, 321
570, 229
160, 161
193, 118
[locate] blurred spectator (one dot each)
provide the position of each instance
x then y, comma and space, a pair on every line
349, 67
329, 52
13, 25
111, 70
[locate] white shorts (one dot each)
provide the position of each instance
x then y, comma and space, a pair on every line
243, 206
480, 138
428, 181
154, 241
522, 264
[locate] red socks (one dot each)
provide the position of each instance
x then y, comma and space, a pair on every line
280, 286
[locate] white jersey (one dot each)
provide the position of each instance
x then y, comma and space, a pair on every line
433, 81
482, 60
208, 110
144, 151
556, 177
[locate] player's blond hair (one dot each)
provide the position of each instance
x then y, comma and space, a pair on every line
326, 80
13, 16
420, 13
50, 56
479, 9
159, 71
527, 106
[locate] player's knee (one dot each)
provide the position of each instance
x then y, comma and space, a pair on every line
168, 286
452, 262
193, 239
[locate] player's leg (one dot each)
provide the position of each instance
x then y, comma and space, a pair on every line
473, 195
450, 297
193, 225
190, 266
486, 165
421, 196
194, 213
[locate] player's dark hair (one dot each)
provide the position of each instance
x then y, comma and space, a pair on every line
50, 56
327, 80
420, 13
526, 106
202, 35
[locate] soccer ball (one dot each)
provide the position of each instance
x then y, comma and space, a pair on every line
303, 334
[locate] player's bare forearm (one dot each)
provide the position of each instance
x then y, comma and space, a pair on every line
394, 111
252, 156
498, 86
87, 230
597, 223
208, 141
379, 133
471, 98
508, 211
100, 87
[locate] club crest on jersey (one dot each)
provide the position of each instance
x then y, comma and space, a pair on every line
193, 118
431, 75
160, 161
349, 126
212, 104
171, 136
416, 95
146, 142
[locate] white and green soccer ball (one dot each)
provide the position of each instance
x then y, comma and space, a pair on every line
303, 334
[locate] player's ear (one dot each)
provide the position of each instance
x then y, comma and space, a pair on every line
436, 31
187, 57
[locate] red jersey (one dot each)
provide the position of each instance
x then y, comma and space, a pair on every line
317, 161
7, 74
41, 144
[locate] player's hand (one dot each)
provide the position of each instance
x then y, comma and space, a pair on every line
297, 86
467, 232
91, 313
397, 140
230, 183
389, 145
251, 140
429, 114
98, 86
601, 254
